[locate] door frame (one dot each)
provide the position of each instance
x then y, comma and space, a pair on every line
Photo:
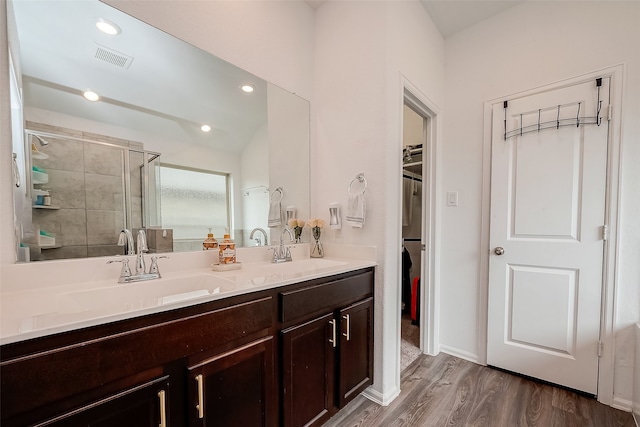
430, 256
612, 208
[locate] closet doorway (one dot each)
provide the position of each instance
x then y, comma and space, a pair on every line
413, 140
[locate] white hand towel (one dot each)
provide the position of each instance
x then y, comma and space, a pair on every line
275, 214
356, 210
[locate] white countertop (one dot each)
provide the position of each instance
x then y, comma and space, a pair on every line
52, 305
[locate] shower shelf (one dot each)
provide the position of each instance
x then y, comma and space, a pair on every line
39, 155
45, 207
39, 177
43, 247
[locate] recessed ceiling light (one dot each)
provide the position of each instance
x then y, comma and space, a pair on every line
247, 88
205, 128
108, 27
91, 96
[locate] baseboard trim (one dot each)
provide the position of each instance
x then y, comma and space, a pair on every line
460, 354
383, 399
622, 404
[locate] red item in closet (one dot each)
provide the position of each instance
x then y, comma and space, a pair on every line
415, 301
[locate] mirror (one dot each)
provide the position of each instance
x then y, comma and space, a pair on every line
138, 157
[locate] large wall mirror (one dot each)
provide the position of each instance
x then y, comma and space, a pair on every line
178, 141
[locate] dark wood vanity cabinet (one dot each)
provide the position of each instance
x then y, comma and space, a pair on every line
85, 374
141, 406
355, 371
327, 360
308, 379
222, 363
235, 388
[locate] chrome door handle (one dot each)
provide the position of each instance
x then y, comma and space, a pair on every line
499, 250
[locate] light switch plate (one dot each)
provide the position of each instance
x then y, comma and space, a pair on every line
452, 198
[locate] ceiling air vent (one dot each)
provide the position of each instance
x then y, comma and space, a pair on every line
113, 57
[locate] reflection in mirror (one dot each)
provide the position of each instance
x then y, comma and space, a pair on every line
139, 157
84, 190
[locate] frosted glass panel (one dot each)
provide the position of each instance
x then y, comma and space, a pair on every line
193, 201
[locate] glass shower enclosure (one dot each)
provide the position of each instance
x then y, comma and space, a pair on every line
82, 190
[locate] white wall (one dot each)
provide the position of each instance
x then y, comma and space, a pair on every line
530, 45
362, 51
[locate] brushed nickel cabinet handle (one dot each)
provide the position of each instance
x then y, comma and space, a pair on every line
163, 409
333, 328
348, 326
200, 405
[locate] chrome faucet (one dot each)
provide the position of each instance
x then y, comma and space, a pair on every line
257, 239
141, 245
140, 274
126, 239
282, 253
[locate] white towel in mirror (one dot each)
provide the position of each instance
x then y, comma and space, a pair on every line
356, 210
275, 214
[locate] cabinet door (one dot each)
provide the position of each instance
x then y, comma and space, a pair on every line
144, 406
356, 350
236, 388
308, 371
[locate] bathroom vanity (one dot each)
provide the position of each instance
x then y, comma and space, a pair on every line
275, 349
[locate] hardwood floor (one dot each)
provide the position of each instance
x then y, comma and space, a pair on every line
447, 391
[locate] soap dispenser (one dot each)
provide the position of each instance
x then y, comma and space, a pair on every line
227, 250
210, 242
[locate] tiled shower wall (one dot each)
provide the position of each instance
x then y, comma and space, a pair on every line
86, 180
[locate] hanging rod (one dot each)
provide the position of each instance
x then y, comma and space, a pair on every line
558, 122
246, 191
407, 165
412, 175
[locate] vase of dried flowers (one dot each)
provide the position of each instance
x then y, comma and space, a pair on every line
316, 225
296, 225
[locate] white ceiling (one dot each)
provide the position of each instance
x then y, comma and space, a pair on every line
451, 16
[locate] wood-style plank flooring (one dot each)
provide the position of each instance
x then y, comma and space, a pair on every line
448, 391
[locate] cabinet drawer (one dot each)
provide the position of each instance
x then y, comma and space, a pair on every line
142, 405
317, 299
72, 369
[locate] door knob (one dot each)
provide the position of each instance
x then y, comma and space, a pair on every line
499, 250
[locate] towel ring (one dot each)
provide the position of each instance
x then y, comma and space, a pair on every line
277, 190
361, 179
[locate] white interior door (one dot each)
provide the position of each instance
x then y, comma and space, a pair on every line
547, 229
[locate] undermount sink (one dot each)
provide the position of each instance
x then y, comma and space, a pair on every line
140, 295
126, 297
305, 265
